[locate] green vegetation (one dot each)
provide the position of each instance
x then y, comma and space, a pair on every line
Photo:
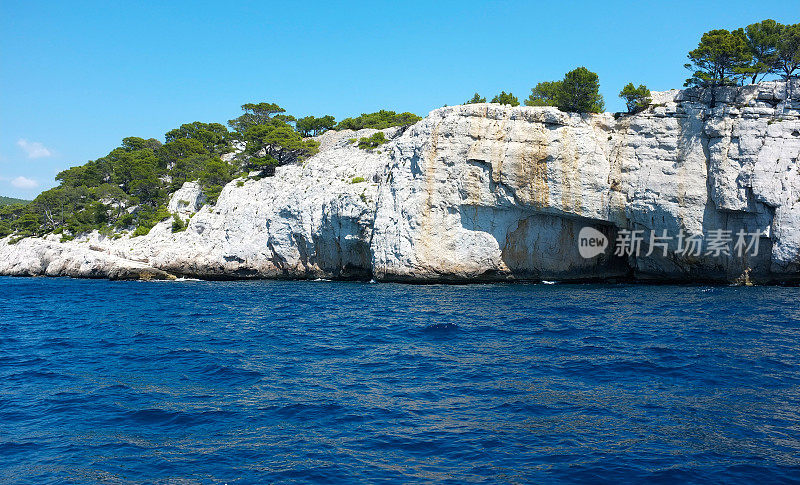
313, 126
636, 99
270, 144
373, 141
506, 98
177, 224
258, 114
379, 120
762, 41
148, 218
357, 180
10, 215
214, 137
578, 92
475, 99
788, 55
216, 174
718, 58
11, 201
722, 58
725, 58
544, 94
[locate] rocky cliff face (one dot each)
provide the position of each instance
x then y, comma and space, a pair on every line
490, 192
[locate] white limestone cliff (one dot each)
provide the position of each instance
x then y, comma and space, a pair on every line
490, 192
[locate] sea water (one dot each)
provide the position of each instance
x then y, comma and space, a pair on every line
334, 382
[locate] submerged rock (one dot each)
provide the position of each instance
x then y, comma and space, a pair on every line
485, 192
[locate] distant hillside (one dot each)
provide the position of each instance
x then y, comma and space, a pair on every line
11, 200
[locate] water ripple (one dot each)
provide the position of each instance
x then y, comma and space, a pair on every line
308, 382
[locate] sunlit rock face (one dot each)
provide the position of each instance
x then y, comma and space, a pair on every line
486, 192
187, 200
491, 192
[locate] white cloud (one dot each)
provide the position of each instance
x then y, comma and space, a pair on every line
24, 183
33, 149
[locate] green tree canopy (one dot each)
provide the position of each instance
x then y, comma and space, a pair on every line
185, 159
128, 188
281, 119
134, 167
11, 201
378, 120
718, 58
506, 98
306, 125
278, 142
544, 94
751, 53
9, 214
270, 138
213, 136
373, 141
216, 174
325, 123
788, 51
255, 114
636, 99
579, 92
476, 99
762, 40
172, 152
313, 126
91, 174
405, 119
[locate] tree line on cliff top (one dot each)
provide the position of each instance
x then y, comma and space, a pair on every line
128, 189
577, 92
722, 58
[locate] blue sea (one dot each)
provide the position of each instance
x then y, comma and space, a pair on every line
335, 382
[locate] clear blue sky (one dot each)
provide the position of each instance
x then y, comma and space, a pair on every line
77, 77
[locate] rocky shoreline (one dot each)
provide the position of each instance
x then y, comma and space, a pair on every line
485, 192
